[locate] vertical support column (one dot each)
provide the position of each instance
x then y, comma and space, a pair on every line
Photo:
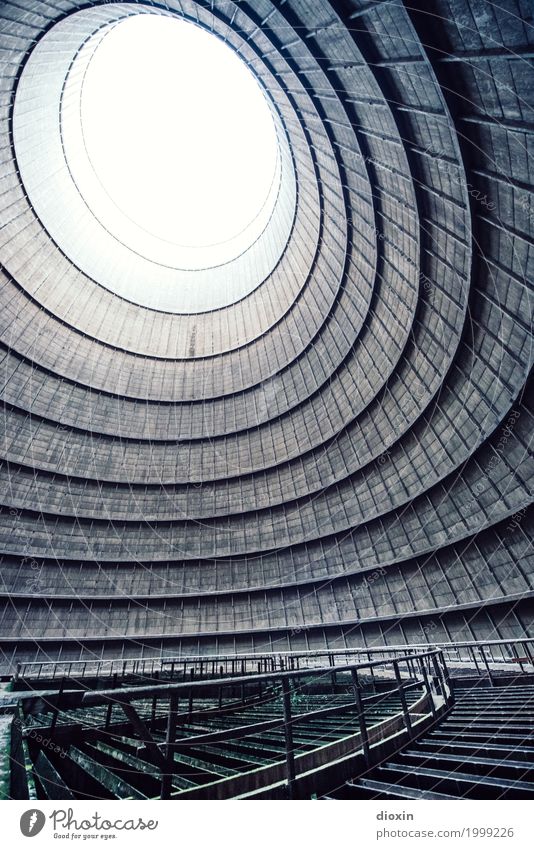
447, 675
190, 705
371, 670
361, 716
170, 738
288, 734
153, 713
486, 664
110, 704
402, 694
57, 708
517, 655
333, 678
471, 651
438, 677
428, 686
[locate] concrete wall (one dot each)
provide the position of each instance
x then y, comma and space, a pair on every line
342, 456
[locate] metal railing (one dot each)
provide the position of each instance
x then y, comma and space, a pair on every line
423, 673
199, 666
492, 657
488, 658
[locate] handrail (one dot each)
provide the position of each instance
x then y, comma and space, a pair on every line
483, 655
425, 670
93, 696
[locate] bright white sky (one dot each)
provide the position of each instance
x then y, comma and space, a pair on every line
178, 131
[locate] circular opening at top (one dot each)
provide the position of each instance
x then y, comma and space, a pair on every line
170, 140
153, 157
